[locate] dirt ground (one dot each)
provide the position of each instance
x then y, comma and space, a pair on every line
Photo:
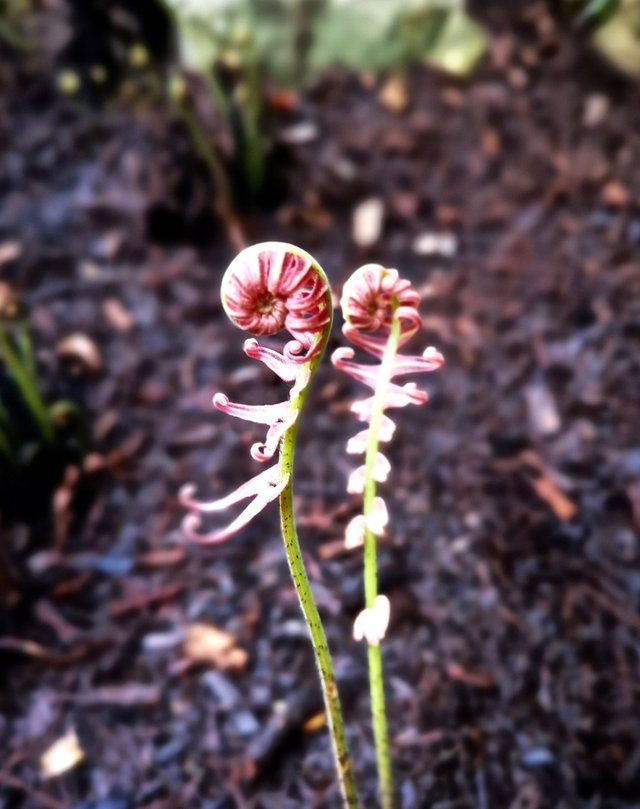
512, 563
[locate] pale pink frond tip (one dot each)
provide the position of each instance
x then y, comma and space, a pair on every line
372, 623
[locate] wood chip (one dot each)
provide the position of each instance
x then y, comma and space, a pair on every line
596, 109
63, 755
62, 502
558, 502
299, 134
435, 244
615, 194
368, 218
162, 557
394, 94
9, 251
128, 695
544, 418
477, 679
81, 349
119, 318
139, 600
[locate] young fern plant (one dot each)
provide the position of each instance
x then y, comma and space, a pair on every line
380, 311
269, 287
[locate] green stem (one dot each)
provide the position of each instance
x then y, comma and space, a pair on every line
26, 353
251, 112
302, 586
20, 369
376, 675
216, 92
208, 153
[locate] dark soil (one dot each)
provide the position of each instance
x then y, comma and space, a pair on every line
512, 565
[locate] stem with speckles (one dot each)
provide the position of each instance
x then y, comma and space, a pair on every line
302, 585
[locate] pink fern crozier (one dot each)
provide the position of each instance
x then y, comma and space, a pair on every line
372, 297
266, 288
269, 287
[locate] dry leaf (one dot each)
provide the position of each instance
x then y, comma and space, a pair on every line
315, 722
208, 644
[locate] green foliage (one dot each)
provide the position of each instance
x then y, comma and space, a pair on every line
590, 12
294, 40
618, 38
383, 36
37, 439
599, 10
13, 14
232, 32
235, 45
614, 29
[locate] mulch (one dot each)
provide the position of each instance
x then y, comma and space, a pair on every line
512, 563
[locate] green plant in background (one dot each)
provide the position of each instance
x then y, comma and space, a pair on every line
588, 12
217, 41
369, 36
37, 439
618, 37
237, 46
16, 352
294, 40
614, 29
12, 22
218, 59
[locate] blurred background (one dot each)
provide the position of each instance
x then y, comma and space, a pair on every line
491, 152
